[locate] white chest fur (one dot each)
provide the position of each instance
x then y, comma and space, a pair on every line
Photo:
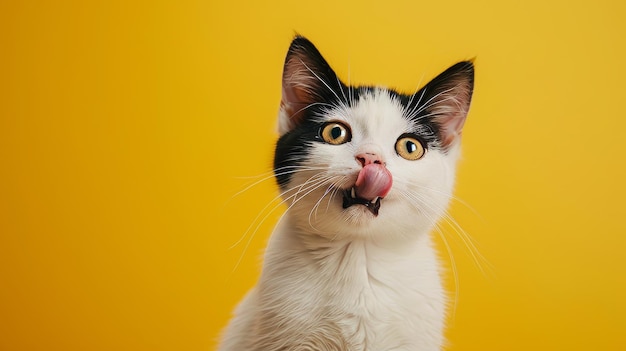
354, 295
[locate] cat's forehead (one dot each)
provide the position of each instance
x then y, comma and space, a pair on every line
374, 112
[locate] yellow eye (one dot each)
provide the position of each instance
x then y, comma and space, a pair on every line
410, 148
335, 133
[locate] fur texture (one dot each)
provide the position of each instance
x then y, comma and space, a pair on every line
338, 275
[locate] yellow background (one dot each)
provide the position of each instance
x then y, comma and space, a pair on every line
127, 127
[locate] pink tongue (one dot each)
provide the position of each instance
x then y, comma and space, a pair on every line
373, 180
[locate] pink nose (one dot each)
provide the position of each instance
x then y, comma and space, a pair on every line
367, 158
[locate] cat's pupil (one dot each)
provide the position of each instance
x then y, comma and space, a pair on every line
336, 132
410, 147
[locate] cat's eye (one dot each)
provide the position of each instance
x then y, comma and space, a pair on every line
410, 148
335, 133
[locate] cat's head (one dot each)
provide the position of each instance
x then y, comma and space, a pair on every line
358, 160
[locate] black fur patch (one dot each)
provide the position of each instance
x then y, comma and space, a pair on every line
292, 147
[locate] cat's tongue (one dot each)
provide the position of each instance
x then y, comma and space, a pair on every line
373, 181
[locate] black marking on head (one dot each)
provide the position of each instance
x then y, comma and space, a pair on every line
308, 83
443, 103
425, 127
311, 88
292, 148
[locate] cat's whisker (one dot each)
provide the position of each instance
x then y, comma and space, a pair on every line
477, 257
446, 213
294, 169
350, 95
453, 266
417, 109
449, 196
455, 273
336, 188
260, 223
419, 83
310, 189
342, 93
250, 186
311, 105
264, 174
416, 203
280, 196
313, 178
245, 249
270, 175
332, 190
417, 105
317, 204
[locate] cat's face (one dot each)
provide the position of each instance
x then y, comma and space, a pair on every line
354, 161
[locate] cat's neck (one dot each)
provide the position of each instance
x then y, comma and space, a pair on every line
346, 266
307, 244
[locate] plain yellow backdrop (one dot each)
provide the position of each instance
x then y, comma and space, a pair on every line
127, 130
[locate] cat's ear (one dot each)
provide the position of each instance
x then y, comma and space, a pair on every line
307, 79
446, 99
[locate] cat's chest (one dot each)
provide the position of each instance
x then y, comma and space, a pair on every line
372, 318
361, 314
374, 302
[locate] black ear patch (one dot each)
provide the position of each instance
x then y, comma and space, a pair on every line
307, 79
446, 100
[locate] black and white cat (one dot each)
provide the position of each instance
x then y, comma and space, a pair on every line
366, 172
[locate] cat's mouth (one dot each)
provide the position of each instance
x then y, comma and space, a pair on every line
372, 184
350, 198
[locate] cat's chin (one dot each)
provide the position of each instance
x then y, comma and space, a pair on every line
350, 199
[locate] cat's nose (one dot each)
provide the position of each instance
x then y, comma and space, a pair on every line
367, 158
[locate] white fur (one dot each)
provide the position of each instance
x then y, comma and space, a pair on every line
343, 279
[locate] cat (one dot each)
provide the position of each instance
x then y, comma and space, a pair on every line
366, 172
